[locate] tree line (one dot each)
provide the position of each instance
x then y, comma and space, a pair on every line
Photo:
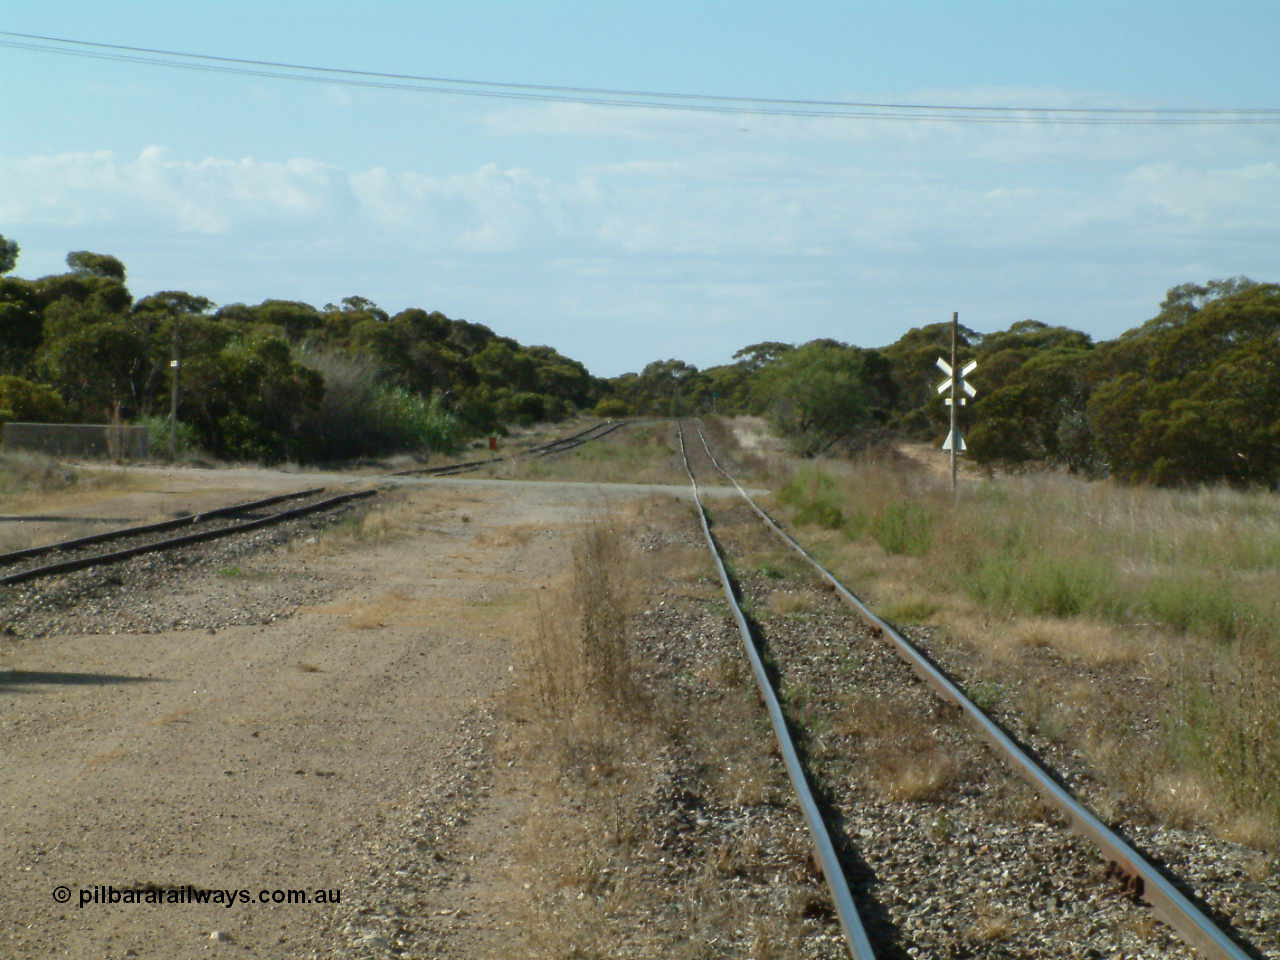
1190, 396
273, 381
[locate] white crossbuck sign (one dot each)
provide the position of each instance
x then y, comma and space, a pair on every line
963, 385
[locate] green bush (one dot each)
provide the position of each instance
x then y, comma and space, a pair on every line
24, 401
1043, 585
611, 407
158, 436
814, 497
525, 409
1192, 604
360, 416
245, 439
412, 422
904, 528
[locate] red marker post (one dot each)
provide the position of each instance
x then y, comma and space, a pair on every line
493, 447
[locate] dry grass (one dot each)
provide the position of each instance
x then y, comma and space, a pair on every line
905, 760
641, 453
391, 608
388, 518
599, 743
1168, 595
1080, 641
514, 535
34, 484
991, 925
792, 603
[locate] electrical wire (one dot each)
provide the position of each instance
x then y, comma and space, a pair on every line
597, 96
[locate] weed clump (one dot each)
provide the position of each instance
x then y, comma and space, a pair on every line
815, 499
903, 528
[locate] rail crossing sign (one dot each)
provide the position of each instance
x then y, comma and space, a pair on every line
956, 385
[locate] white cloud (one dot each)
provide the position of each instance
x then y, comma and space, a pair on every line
726, 246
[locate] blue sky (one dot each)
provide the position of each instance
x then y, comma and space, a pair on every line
621, 236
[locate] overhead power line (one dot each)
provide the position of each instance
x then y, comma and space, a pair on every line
603, 96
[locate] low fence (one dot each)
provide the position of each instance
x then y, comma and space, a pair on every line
78, 440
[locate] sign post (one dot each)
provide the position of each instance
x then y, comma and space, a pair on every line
956, 385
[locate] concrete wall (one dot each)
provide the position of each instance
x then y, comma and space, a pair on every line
78, 440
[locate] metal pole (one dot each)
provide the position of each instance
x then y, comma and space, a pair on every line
955, 400
173, 397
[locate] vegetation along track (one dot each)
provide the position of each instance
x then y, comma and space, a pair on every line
83, 552
559, 445
945, 853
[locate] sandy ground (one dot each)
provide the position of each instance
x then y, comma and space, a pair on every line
271, 756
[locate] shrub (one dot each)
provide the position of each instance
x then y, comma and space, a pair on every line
245, 439
611, 407
360, 416
525, 409
158, 436
21, 400
815, 499
1191, 604
903, 527
1043, 585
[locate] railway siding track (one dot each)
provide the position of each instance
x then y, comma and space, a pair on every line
1191, 922
213, 524
559, 445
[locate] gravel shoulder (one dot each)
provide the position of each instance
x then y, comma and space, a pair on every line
303, 710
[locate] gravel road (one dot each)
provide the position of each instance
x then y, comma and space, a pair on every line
294, 709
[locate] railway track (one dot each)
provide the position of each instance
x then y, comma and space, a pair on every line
83, 552
844, 819
559, 445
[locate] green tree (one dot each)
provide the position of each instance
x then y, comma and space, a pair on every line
96, 265
913, 359
21, 324
1198, 398
97, 366
24, 401
1036, 415
8, 254
817, 395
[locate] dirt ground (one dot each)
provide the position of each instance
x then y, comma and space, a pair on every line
331, 747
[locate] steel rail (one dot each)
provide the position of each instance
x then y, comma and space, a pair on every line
1169, 903
540, 450
81, 563
850, 922
121, 532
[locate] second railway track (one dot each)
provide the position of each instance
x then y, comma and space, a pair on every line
116, 545
112, 546
945, 851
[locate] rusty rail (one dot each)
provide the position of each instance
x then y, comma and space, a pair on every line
81, 563
558, 445
846, 911
121, 532
1148, 882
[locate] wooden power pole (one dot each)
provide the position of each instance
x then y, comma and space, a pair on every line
955, 399
959, 390
173, 397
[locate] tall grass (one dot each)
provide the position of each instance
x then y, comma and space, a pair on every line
1196, 571
27, 473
